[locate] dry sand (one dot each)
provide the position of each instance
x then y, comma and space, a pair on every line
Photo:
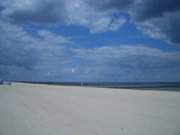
58, 110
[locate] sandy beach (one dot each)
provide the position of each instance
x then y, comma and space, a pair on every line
27, 109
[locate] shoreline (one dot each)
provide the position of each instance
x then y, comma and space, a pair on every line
175, 88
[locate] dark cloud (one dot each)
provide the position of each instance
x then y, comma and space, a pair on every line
14, 50
18, 56
40, 12
169, 26
1, 8
68, 12
159, 19
147, 9
110, 4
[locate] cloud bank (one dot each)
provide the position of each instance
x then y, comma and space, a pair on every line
159, 19
47, 55
156, 18
67, 12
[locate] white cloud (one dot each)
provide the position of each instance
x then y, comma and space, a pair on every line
48, 38
107, 23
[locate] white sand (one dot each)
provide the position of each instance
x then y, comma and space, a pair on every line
58, 110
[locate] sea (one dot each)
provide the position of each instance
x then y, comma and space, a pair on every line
169, 86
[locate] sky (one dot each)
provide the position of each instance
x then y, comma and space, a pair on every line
90, 40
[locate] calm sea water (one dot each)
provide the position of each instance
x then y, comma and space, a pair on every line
172, 86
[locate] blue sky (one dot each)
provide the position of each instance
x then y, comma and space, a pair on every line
88, 40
